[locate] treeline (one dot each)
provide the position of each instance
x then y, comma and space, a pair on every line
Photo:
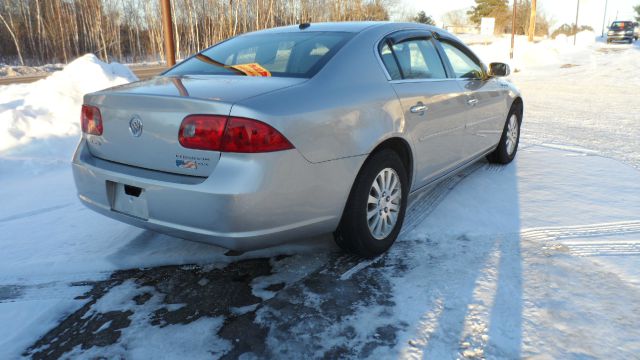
569, 30
35, 32
503, 13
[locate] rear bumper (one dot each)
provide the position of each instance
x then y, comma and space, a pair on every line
248, 202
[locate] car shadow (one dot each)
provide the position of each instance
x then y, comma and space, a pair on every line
472, 278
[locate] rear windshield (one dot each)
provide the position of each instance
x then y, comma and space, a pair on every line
622, 25
299, 55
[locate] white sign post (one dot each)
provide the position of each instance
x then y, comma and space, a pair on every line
487, 28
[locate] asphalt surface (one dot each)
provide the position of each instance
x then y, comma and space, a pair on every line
141, 72
168, 295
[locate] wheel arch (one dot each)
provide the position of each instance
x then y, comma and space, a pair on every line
401, 147
518, 105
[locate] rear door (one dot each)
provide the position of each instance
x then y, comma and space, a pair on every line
485, 97
433, 105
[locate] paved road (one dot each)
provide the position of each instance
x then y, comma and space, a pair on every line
141, 72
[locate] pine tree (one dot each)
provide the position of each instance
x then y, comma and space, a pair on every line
422, 18
498, 9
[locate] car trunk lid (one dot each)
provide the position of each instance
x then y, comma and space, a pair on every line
159, 106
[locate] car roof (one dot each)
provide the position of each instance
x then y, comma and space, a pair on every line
346, 26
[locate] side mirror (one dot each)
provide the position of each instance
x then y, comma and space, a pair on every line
499, 69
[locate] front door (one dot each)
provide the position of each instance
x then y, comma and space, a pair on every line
434, 105
486, 96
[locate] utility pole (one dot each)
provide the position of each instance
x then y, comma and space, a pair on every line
532, 21
604, 18
167, 26
575, 36
513, 28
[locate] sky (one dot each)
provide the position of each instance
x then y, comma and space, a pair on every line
562, 11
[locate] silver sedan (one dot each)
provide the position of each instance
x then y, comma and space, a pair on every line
294, 132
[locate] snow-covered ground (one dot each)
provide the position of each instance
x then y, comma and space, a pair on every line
8, 71
16, 70
540, 258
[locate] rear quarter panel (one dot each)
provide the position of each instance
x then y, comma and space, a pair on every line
347, 109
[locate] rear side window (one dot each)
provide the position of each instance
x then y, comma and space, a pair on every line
412, 59
277, 54
390, 62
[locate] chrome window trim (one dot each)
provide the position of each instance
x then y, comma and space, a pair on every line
421, 80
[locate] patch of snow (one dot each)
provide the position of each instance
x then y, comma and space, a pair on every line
361, 265
142, 340
34, 312
290, 270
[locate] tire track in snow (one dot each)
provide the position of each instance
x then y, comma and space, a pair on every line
429, 200
34, 212
418, 210
590, 230
589, 248
608, 248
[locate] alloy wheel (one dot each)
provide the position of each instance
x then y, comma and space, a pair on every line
512, 134
383, 204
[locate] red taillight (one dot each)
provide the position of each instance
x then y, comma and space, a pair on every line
91, 120
219, 133
202, 132
252, 136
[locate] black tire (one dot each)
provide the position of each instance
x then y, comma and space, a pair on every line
353, 234
501, 155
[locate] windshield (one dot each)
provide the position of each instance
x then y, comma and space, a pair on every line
300, 54
621, 25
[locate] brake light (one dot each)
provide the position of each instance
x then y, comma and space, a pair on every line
240, 135
91, 120
252, 136
203, 132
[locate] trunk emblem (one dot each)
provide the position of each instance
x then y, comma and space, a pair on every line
135, 126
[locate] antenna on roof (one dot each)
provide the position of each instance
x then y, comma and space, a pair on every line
303, 26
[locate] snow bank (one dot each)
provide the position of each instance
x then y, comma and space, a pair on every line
51, 107
10, 70
583, 38
528, 55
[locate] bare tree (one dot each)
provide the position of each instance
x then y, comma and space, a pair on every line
16, 43
45, 31
456, 18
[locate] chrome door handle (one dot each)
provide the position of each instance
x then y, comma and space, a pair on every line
419, 108
472, 102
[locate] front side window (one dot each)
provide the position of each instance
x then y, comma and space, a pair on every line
277, 54
413, 59
464, 67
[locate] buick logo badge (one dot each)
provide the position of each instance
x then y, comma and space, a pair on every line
135, 126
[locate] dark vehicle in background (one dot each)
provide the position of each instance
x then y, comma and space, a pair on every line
623, 31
